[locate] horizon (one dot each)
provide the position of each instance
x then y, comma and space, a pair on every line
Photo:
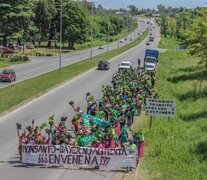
152, 4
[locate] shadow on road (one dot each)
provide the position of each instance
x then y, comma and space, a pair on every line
16, 163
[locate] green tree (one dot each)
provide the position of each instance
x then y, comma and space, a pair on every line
185, 19
133, 9
76, 23
16, 19
118, 23
103, 24
45, 11
172, 27
161, 8
196, 36
164, 22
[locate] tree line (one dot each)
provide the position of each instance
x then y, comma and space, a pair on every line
188, 25
39, 21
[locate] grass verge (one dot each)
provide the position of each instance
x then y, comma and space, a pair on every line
5, 62
177, 148
168, 43
20, 92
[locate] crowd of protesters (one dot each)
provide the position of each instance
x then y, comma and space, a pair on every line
121, 101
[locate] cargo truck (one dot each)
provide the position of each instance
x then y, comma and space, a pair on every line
151, 56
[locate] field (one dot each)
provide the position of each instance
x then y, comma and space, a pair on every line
176, 148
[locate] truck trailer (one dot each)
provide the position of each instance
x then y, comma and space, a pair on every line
151, 56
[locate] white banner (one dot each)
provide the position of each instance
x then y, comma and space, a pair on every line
69, 155
160, 107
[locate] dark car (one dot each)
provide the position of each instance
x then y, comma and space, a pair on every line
104, 65
100, 47
8, 75
147, 43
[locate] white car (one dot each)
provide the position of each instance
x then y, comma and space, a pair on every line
125, 65
150, 66
121, 41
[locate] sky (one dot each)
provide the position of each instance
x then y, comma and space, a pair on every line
152, 4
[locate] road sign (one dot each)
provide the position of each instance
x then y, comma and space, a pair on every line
160, 107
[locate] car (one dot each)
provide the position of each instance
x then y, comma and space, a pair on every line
150, 67
100, 47
103, 65
147, 43
8, 75
121, 41
125, 65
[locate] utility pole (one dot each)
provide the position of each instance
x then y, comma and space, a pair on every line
108, 36
61, 31
92, 33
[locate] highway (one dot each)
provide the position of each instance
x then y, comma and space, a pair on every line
56, 101
41, 65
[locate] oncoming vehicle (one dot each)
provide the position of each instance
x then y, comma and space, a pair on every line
125, 65
103, 65
150, 67
8, 75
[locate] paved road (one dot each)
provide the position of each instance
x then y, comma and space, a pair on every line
56, 101
41, 65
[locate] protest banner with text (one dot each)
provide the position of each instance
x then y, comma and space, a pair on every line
74, 155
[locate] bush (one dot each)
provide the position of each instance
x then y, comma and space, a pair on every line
19, 58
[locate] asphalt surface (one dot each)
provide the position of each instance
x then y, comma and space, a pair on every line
41, 65
56, 101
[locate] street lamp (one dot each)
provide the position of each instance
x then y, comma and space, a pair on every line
92, 13
128, 25
92, 34
108, 36
61, 31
